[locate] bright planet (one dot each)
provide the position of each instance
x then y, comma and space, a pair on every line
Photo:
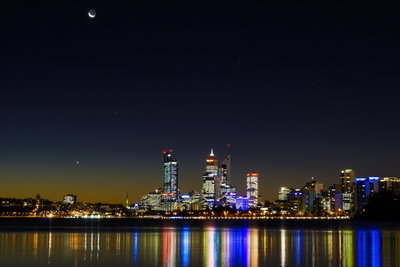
92, 13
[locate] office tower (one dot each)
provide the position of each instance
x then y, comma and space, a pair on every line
363, 188
334, 191
347, 177
70, 199
390, 184
171, 190
283, 193
211, 185
225, 171
242, 203
252, 188
295, 200
230, 196
227, 191
314, 186
152, 201
361, 192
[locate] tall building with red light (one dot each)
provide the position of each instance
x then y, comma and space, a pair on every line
211, 185
227, 194
171, 190
252, 188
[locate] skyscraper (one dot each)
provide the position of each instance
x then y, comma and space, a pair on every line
363, 188
171, 190
347, 177
211, 185
283, 193
227, 194
225, 171
252, 188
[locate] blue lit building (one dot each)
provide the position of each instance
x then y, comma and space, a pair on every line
296, 201
363, 188
242, 203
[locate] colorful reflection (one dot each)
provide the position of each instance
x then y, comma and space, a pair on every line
208, 246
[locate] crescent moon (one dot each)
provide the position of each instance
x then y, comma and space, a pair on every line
91, 15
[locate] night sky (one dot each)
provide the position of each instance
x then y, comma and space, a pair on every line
297, 92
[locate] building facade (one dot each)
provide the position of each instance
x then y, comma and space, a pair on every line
252, 188
211, 185
171, 190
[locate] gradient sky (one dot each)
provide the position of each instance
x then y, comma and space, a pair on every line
297, 92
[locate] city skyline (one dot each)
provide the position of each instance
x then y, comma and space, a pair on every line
87, 104
344, 179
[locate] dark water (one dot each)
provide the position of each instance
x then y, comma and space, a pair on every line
206, 244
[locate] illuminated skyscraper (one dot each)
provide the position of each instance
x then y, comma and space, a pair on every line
211, 184
363, 188
252, 188
70, 199
347, 178
283, 193
171, 190
227, 194
225, 171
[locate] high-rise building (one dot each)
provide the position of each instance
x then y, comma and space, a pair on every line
225, 171
152, 201
211, 184
295, 200
283, 193
347, 177
363, 188
171, 190
70, 199
252, 188
334, 191
314, 186
227, 190
243, 203
390, 184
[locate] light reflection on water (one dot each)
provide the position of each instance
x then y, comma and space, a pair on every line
210, 246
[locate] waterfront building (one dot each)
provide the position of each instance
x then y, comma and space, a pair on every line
346, 178
171, 190
314, 186
230, 196
252, 188
283, 193
295, 201
390, 184
333, 190
347, 202
211, 183
363, 188
152, 201
338, 201
195, 200
185, 202
70, 199
225, 171
242, 203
